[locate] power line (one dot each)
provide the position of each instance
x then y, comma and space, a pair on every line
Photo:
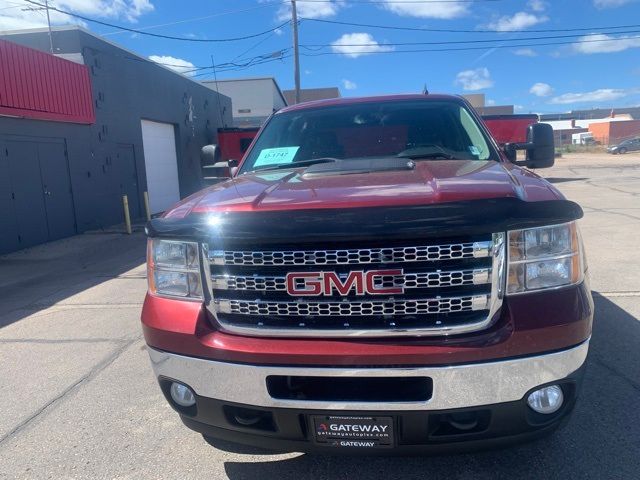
215, 76
382, 2
242, 67
157, 35
257, 60
453, 42
260, 42
448, 30
204, 17
195, 68
234, 69
13, 5
458, 49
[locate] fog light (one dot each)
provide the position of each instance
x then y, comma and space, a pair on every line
546, 400
182, 395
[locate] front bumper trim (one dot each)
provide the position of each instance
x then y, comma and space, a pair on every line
456, 386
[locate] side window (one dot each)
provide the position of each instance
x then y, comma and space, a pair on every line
478, 147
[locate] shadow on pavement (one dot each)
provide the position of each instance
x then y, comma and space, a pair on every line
602, 439
565, 179
37, 278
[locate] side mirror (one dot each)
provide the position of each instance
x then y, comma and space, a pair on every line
214, 170
540, 147
210, 154
543, 152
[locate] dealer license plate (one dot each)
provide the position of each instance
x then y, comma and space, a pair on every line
353, 432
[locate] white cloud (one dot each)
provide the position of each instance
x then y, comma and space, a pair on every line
127, 9
323, 9
427, 9
610, 3
356, 44
600, 95
177, 64
602, 43
18, 14
537, 5
477, 79
541, 89
348, 84
490, 102
518, 21
518, 107
525, 52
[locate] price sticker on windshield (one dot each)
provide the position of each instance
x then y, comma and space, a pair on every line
276, 156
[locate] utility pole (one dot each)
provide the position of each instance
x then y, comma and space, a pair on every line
46, 5
296, 55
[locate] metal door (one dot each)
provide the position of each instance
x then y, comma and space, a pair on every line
27, 193
8, 225
56, 187
127, 177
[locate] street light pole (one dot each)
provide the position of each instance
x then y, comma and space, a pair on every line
296, 56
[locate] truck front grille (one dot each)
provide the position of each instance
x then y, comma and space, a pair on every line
353, 256
384, 307
408, 280
446, 288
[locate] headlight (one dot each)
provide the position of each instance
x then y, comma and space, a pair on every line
544, 257
173, 268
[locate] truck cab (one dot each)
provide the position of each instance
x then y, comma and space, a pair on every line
376, 275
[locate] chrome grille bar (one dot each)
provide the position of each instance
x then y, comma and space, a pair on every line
451, 278
375, 307
271, 314
353, 256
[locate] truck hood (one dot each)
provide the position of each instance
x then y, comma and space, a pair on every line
430, 182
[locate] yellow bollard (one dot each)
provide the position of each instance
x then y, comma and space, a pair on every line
127, 218
146, 205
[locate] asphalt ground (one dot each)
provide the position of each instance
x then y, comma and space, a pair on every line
78, 398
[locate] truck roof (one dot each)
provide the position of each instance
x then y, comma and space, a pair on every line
379, 98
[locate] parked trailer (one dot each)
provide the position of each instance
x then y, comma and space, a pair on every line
509, 128
584, 138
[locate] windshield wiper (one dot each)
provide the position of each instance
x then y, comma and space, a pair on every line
422, 156
301, 163
426, 151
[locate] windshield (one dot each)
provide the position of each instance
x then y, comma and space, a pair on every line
412, 129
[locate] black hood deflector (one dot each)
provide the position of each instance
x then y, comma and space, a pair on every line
471, 217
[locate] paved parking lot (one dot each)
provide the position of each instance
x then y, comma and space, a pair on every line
79, 399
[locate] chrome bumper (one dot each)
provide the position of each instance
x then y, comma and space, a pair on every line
453, 387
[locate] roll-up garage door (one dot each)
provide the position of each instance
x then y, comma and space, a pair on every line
161, 164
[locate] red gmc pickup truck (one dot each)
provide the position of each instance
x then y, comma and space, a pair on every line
376, 275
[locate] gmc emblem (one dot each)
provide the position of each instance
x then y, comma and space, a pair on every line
314, 284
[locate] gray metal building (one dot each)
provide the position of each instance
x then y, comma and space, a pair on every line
254, 99
59, 178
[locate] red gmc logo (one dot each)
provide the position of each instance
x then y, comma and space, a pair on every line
314, 284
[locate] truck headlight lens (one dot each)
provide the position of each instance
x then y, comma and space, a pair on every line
173, 268
544, 257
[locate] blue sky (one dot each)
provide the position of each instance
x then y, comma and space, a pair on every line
363, 60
